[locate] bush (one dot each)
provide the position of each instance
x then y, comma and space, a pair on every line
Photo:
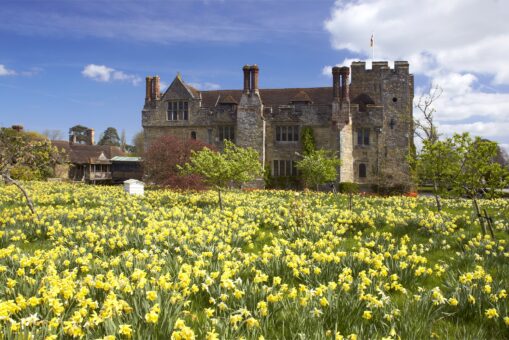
163, 156
348, 188
391, 190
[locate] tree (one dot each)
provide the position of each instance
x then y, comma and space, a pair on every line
27, 155
437, 164
318, 167
235, 165
162, 159
425, 128
53, 134
478, 173
110, 137
308, 140
80, 134
139, 144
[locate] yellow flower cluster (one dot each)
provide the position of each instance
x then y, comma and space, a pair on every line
97, 263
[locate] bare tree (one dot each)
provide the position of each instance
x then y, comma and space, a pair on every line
53, 134
425, 127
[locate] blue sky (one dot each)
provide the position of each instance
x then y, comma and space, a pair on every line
67, 62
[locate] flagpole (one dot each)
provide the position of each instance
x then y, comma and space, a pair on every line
373, 46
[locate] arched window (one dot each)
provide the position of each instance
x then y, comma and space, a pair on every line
193, 134
362, 170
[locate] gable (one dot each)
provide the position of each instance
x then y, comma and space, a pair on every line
179, 90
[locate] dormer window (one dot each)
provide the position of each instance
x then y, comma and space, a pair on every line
177, 110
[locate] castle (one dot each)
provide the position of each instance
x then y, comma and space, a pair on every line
367, 121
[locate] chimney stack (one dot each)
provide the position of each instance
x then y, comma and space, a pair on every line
254, 78
157, 88
90, 136
148, 88
345, 87
247, 78
336, 82
17, 128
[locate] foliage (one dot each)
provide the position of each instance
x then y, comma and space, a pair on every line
161, 161
80, 133
235, 165
348, 187
27, 155
110, 137
477, 171
281, 182
308, 140
438, 165
139, 144
318, 167
272, 264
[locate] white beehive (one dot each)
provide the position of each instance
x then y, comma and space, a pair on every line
134, 187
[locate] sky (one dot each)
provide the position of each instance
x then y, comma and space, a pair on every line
68, 62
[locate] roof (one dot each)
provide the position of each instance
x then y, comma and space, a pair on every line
302, 96
273, 97
83, 154
126, 159
228, 99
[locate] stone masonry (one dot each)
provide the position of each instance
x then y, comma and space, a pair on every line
367, 122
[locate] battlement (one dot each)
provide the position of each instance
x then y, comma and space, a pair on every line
359, 67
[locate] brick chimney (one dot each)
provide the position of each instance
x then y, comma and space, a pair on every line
148, 90
17, 128
90, 137
157, 88
247, 78
254, 78
345, 87
336, 82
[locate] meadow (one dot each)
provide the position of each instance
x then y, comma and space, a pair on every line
97, 263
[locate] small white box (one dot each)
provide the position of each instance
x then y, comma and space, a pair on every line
134, 187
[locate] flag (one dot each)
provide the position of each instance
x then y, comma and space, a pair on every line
372, 41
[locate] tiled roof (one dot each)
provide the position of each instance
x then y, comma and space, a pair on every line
273, 97
302, 96
82, 154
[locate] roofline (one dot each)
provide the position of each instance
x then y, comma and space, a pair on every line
277, 88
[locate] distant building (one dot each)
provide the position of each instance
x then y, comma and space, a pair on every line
368, 122
92, 163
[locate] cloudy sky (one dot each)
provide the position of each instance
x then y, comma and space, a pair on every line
67, 62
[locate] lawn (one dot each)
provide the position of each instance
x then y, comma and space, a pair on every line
97, 263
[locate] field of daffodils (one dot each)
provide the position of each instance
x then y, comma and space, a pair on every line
95, 263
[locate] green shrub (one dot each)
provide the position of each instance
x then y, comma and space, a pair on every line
348, 188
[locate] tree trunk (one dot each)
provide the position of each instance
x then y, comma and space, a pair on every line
437, 197
30, 204
220, 199
479, 216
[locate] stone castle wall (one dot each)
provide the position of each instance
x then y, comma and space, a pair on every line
377, 99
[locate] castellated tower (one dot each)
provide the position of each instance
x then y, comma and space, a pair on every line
382, 123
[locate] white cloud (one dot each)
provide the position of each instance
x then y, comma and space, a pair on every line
103, 73
205, 86
4, 71
458, 35
457, 44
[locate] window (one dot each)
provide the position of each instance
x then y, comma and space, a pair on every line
209, 133
362, 170
177, 110
193, 134
226, 132
362, 136
287, 133
284, 168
